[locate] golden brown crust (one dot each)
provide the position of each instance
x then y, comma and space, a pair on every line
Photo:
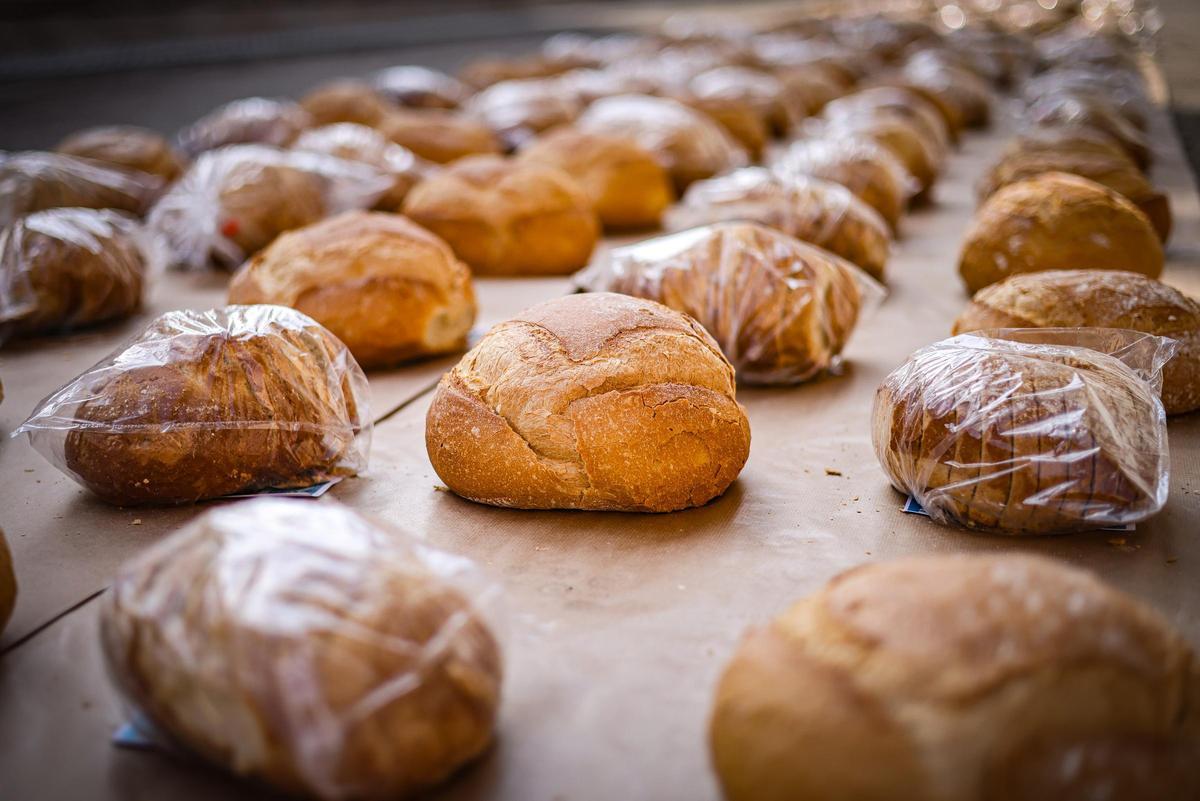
1056, 221
128, 147
628, 188
401, 676
508, 217
437, 135
8, 583
1089, 298
387, 288
950, 677
346, 101
593, 401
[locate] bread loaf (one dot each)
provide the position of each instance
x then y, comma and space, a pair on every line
387, 288
420, 87
204, 404
593, 401
868, 170
437, 135
898, 136
960, 678
1056, 221
352, 142
780, 309
823, 213
350, 101
1108, 299
1023, 438
506, 216
518, 110
63, 269
304, 646
893, 102
251, 120
738, 118
1064, 109
126, 147
783, 105
627, 187
33, 181
8, 584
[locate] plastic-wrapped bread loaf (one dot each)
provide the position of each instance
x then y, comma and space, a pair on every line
204, 404
307, 647
1000, 677
823, 213
867, 169
593, 401
352, 142
250, 120
518, 110
1104, 299
780, 309
35, 181
1038, 432
126, 147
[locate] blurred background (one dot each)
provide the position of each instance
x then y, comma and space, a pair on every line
66, 64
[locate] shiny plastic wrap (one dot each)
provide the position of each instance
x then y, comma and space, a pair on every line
780, 309
1030, 431
867, 169
689, 144
251, 120
1088, 111
1125, 91
305, 646
785, 52
126, 147
900, 136
820, 212
62, 269
517, 110
205, 404
966, 92
781, 105
586, 86
235, 200
33, 180
359, 143
888, 101
420, 87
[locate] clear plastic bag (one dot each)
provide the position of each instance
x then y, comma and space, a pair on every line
420, 87
823, 213
780, 309
66, 268
308, 647
887, 101
1124, 91
205, 404
368, 146
35, 181
782, 107
1064, 108
1029, 431
251, 120
518, 110
235, 200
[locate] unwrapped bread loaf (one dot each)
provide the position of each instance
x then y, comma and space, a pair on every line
594, 401
307, 647
1039, 432
960, 678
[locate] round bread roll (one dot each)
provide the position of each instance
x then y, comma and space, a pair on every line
1023, 438
627, 186
1117, 173
689, 144
439, 136
780, 309
387, 288
517, 110
304, 646
1094, 299
960, 678
868, 170
508, 217
820, 212
1056, 221
8, 583
127, 147
205, 404
63, 269
346, 100
33, 181
347, 140
737, 117
251, 120
420, 87
593, 401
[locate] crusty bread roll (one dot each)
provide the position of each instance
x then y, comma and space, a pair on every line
347, 140
960, 678
868, 170
688, 143
1108, 299
437, 135
627, 186
505, 216
1117, 173
35, 181
593, 401
346, 100
8, 583
387, 288
125, 146
307, 647
63, 269
420, 87
1056, 221
821, 212
251, 120
780, 309
1022, 438
204, 404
